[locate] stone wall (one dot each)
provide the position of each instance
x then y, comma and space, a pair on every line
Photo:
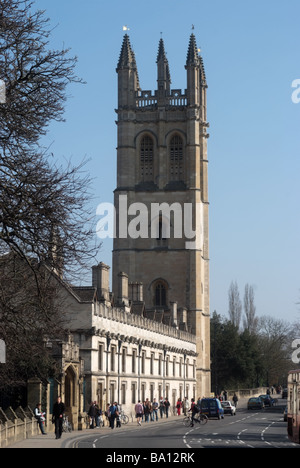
17, 425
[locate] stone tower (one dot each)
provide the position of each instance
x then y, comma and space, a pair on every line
161, 199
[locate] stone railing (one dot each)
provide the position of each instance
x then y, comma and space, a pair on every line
16, 425
145, 99
248, 392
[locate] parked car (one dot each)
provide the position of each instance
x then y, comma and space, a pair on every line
228, 407
255, 403
212, 408
268, 400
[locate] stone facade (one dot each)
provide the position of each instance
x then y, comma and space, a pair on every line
126, 355
162, 161
149, 336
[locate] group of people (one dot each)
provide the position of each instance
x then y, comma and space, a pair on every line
144, 411
112, 414
148, 411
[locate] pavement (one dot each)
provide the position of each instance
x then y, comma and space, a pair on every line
49, 441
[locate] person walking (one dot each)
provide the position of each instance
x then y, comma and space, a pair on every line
139, 411
118, 414
167, 406
107, 414
113, 415
147, 410
154, 414
92, 414
40, 417
57, 417
235, 400
186, 406
178, 406
161, 407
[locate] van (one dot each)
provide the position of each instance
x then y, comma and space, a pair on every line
212, 408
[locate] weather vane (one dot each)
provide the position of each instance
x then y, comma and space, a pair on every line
125, 28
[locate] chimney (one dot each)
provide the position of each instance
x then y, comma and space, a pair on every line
101, 280
183, 319
174, 321
123, 289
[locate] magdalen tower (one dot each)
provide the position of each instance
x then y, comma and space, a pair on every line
161, 199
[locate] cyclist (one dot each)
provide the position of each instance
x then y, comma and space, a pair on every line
194, 409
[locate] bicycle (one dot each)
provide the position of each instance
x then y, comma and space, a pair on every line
198, 418
66, 426
123, 418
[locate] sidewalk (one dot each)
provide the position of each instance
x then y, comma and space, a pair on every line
49, 441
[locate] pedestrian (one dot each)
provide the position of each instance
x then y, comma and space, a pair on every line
57, 417
139, 411
113, 415
235, 400
40, 417
107, 413
167, 406
118, 414
147, 410
92, 414
99, 418
161, 407
186, 406
179, 406
154, 410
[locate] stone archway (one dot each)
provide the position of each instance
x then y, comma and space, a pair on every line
71, 395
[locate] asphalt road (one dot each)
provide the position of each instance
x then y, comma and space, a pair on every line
248, 429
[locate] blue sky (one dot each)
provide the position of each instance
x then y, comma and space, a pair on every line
251, 52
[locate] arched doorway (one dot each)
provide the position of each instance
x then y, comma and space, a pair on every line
71, 396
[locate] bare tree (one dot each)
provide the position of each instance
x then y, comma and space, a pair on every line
45, 225
250, 320
235, 304
35, 76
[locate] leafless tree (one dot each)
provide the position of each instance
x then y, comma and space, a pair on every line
45, 223
235, 304
250, 320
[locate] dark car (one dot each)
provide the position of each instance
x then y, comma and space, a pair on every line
212, 408
268, 400
255, 403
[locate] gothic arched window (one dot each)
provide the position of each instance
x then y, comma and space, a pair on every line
176, 158
146, 158
160, 294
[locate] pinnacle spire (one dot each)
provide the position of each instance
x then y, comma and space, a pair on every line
127, 57
192, 55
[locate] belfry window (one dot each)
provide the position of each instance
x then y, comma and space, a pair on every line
176, 158
146, 158
160, 294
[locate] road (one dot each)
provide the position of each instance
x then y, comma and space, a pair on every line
248, 429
